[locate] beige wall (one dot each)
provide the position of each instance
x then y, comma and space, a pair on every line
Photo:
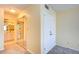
33, 29
68, 28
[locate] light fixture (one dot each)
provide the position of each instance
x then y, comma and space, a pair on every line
13, 10
5, 27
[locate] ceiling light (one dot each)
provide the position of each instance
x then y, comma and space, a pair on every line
13, 10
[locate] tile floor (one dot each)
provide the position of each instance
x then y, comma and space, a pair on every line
14, 49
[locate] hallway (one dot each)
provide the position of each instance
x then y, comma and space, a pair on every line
20, 23
14, 42
14, 48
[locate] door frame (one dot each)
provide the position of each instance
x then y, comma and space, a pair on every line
42, 27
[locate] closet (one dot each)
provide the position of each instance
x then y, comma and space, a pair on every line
48, 29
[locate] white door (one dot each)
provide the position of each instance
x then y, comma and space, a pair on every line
48, 32
1, 29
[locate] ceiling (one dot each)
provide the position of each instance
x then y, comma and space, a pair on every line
56, 7
19, 6
62, 7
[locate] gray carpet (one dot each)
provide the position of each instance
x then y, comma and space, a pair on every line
62, 50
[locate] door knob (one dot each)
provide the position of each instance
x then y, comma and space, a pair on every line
50, 33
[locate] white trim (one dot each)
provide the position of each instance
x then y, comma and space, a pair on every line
69, 48
43, 10
30, 51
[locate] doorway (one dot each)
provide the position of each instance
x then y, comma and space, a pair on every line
20, 33
14, 41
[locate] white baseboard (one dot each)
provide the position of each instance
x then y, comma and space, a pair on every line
69, 48
30, 51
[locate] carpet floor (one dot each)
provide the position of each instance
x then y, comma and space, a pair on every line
61, 50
